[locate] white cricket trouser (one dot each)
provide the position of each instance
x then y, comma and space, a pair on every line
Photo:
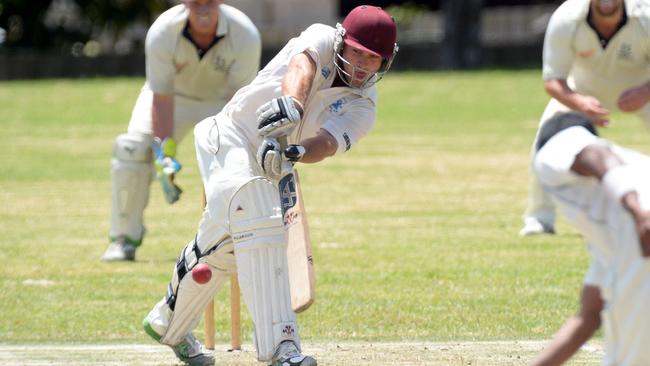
626, 293
244, 206
187, 113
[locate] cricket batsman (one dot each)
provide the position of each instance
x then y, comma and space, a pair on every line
319, 94
198, 54
604, 191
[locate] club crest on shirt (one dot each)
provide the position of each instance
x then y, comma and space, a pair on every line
221, 64
625, 52
325, 71
337, 105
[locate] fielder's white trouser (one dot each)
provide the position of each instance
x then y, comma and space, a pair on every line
242, 214
540, 205
131, 173
626, 292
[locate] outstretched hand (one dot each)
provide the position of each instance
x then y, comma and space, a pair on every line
592, 108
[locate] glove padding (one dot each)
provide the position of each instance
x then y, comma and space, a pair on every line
278, 117
276, 162
166, 167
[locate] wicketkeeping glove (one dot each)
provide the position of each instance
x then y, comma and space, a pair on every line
166, 167
278, 117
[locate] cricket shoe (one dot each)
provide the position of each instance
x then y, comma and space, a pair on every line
189, 350
119, 250
533, 226
288, 355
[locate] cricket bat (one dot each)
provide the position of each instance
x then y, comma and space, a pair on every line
300, 260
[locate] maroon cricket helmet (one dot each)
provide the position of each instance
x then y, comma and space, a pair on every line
371, 29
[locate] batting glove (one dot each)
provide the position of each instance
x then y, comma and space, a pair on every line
167, 167
278, 117
269, 156
294, 153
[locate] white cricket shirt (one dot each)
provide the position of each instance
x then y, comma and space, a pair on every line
174, 67
618, 268
346, 113
572, 51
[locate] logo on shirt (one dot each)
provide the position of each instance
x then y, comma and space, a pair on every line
586, 54
325, 71
625, 52
221, 64
337, 106
180, 65
348, 143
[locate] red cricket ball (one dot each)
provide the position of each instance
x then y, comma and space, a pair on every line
201, 273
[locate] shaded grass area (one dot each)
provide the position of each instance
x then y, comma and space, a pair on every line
414, 230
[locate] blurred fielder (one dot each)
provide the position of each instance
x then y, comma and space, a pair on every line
319, 92
604, 191
198, 54
596, 59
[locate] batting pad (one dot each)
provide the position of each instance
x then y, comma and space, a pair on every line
131, 174
261, 256
190, 298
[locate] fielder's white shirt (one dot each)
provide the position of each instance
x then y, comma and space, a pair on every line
572, 51
346, 113
174, 66
618, 268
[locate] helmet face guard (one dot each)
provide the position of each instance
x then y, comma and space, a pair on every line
371, 77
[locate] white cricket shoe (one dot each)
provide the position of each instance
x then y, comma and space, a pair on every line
533, 226
287, 354
119, 250
189, 350
192, 352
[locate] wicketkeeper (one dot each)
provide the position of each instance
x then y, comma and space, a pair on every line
198, 54
319, 92
596, 60
604, 191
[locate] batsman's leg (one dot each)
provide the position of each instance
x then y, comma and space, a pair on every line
260, 251
172, 319
131, 176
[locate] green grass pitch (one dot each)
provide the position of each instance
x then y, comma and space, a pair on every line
414, 230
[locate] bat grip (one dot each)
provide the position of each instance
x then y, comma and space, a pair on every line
287, 166
283, 141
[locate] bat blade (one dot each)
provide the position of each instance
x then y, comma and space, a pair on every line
299, 252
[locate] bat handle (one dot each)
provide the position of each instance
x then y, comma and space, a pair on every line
287, 166
283, 141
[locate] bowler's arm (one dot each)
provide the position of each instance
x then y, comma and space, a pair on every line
600, 162
576, 331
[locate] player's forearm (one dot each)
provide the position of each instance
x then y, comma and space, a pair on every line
560, 90
568, 340
162, 115
318, 147
298, 80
